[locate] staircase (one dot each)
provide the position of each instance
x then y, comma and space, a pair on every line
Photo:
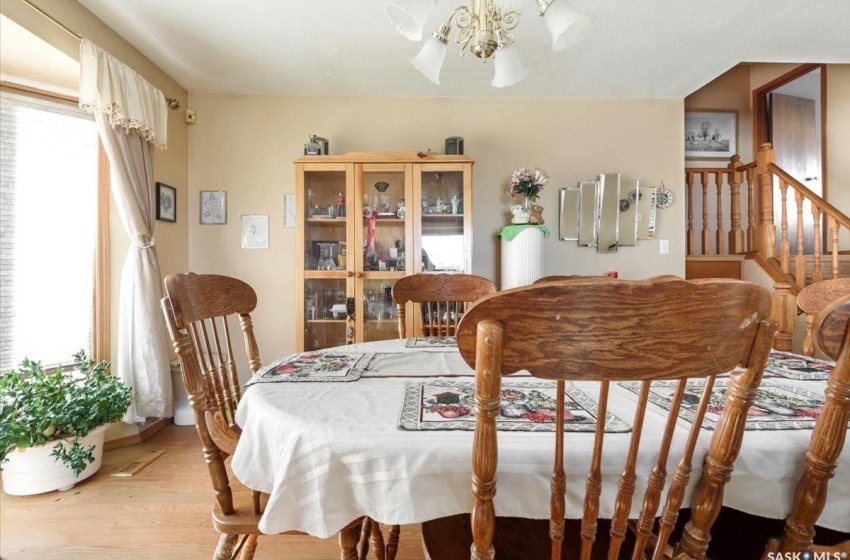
741, 212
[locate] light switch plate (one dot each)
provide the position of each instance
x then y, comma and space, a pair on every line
664, 246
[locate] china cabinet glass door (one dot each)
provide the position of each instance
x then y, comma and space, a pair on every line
443, 226
325, 249
384, 241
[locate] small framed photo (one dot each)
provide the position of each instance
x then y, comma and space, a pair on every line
166, 203
289, 210
711, 134
255, 231
213, 207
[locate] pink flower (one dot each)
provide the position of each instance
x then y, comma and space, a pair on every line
527, 182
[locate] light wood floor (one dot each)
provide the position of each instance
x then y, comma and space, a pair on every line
162, 512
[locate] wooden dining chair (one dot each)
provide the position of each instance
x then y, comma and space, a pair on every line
815, 297
443, 299
200, 310
831, 336
619, 330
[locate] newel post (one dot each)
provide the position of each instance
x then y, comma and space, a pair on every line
766, 227
736, 234
784, 312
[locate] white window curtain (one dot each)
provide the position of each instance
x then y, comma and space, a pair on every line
131, 114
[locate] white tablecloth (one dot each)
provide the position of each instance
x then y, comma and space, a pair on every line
327, 453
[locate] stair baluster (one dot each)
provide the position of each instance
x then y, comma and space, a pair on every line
784, 247
719, 237
751, 205
833, 226
800, 258
736, 235
817, 273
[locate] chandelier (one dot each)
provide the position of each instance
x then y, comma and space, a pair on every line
484, 26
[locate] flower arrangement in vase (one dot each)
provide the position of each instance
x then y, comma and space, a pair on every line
528, 183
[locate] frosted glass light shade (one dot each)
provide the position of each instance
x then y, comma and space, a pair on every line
409, 16
565, 24
509, 69
430, 59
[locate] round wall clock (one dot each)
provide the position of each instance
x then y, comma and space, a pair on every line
663, 197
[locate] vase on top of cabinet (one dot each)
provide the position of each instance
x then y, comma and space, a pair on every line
351, 258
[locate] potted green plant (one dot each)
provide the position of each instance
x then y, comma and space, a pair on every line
52, 423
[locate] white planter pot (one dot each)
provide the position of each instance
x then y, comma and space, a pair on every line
33, 471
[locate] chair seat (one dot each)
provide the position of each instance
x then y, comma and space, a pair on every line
516, 538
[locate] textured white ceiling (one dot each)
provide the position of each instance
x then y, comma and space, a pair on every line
637, 48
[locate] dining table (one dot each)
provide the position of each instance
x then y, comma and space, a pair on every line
384, 429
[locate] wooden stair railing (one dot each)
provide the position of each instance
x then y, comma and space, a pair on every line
736, 176
750, 189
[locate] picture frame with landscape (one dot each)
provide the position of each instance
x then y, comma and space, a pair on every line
711, 134
166, 203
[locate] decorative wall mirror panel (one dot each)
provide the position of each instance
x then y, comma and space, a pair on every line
588, 213
629, 193
609, 213
570, 202
646, 213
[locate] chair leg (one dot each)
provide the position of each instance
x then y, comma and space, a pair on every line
249, 548
392, 542
363, 545
377, 541
348, 539
226, 545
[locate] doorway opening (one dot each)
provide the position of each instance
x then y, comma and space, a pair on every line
790, 113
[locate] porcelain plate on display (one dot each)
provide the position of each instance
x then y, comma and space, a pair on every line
663, 197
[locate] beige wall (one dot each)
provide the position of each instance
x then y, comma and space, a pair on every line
245, 145
170, 166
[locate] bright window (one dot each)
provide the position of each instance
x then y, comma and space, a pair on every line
48, 228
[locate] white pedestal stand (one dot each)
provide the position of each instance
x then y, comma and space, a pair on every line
522, 257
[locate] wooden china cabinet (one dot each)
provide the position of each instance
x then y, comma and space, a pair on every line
366, 219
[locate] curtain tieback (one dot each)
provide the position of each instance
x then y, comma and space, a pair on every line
145, 242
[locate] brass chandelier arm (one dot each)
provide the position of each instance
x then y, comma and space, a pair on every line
483, 27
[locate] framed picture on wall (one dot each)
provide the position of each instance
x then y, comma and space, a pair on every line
255, 231
213, 207
166, 203
711, 134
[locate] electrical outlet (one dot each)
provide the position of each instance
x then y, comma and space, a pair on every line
664, 246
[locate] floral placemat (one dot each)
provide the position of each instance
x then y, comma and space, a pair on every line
777, 406
432, 342
314, 366
526, 406
795, 366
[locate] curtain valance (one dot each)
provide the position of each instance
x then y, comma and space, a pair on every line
110, 87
